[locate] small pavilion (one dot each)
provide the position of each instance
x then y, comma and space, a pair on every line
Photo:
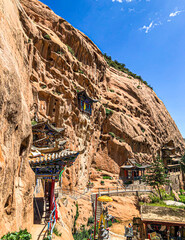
85, 102
132, 170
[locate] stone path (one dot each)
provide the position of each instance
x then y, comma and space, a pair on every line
114, 236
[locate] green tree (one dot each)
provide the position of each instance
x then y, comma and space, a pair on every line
156, 176
183, 163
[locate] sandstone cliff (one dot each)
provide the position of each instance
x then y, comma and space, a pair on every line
44, 60
15, 129
64, 60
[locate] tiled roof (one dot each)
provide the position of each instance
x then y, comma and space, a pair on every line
51, 157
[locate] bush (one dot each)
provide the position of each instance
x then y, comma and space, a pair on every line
70, 50
111, 90
43, 86
109, 223
102, 182
107, 177
47, 37
22, 234
83, 235
90, 221
76, 217
33, 122
182, 198
112, 134
56, 232
80, 71
59, 52
121, 67
109, 112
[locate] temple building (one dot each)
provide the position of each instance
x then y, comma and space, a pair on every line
132, 170
48, 160
85, 102
172, 163
159, 223
171, 159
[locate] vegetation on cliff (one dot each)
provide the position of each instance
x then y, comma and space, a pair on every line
157, 176
121, 67
22, 234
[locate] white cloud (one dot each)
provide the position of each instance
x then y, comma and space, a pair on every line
129, 0
173, 14
120, 1
147, 29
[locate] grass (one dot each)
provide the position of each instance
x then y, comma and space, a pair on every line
108, 111
112, 134
70, 50
121, 67
80, 71
76, 217
22, 234
107, 177
161, 204
33, 122
99, 170
43, 86
90, 220
56, 232
102, 182
47, 37
59, 52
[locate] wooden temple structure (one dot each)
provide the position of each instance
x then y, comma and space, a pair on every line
85, 102
171, 159
159, 223
132, 170
48, 159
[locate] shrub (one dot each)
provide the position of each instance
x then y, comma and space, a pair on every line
112, 134
90, 220
109, 223
29, 40
76, 217
109, 112
56, 232
59, 52
47, 37
70, 50
43, 86
102, 182
107, 177
80, 71
111, 90
33, 122
99, 170
22, 234
182, 198
121, 67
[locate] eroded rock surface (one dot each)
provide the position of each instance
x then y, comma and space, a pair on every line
44, 60
15, 130
64, 61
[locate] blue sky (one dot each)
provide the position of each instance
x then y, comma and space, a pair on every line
147, 35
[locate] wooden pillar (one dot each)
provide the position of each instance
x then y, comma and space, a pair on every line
52, 195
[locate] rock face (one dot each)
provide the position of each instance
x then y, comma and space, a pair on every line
44, 60
15, 130
64, 61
